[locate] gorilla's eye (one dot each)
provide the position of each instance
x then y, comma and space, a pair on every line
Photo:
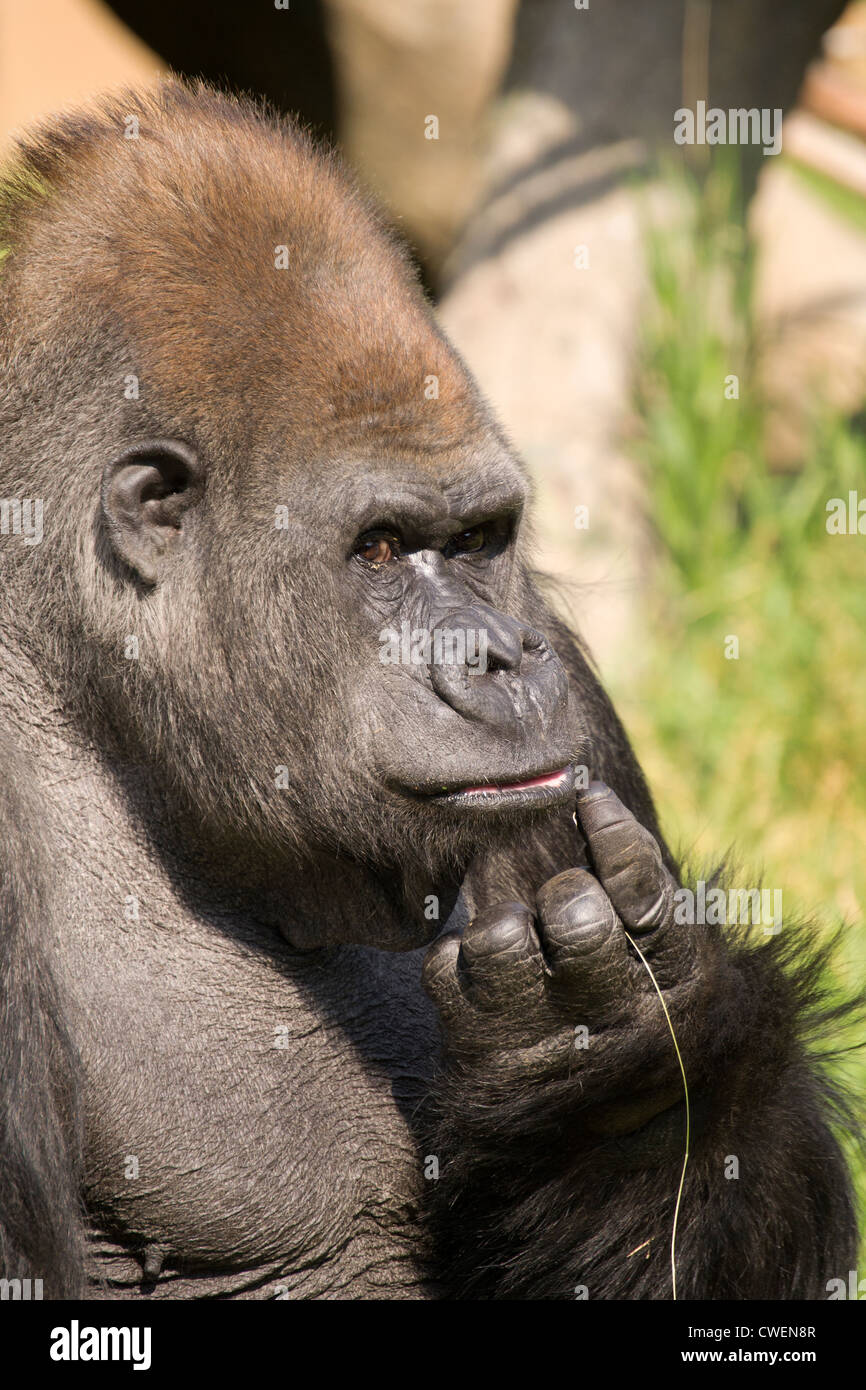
376, 550
467, 541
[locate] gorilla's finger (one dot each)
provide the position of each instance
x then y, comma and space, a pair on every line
583, 941
439, 974
627, 859
500, 958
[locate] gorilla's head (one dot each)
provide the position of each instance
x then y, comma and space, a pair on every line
284, 537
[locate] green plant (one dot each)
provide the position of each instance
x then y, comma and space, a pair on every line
746, 702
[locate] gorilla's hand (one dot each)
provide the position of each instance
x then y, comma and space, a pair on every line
559, 1075
563, 994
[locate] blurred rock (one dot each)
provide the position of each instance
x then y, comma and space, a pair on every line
399, 63
590, 97
810, 305
543, 300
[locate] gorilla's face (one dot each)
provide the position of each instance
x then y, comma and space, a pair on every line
463, 706
350, 645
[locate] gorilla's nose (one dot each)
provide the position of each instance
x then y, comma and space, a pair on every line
493, 668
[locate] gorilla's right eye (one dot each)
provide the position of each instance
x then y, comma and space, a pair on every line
376, 550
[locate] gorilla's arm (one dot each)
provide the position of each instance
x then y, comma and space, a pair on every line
40, 1231
560, 1123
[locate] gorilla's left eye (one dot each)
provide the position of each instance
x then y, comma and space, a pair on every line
377, 549
467, 541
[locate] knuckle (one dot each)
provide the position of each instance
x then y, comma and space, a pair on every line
575, 896
659, 909
499, 931
629, 847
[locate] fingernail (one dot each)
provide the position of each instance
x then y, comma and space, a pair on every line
594, 789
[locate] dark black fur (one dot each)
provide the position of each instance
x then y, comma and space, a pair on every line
40, 1168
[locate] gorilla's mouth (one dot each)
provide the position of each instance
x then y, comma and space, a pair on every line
547, 779
540, 790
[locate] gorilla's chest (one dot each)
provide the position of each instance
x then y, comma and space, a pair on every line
249, 1116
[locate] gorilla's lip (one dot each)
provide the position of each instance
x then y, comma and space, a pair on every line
544, 779
541, 788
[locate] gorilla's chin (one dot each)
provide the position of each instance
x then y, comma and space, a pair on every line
338, 900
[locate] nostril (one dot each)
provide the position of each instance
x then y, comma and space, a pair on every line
519, 685
495, 663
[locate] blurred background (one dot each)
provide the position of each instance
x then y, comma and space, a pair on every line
674, 336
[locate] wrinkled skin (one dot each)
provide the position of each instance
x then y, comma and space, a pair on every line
569, 964
234, 817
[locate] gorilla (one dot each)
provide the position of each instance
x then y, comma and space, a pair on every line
338, 932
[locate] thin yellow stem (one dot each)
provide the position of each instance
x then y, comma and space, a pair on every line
688, 1113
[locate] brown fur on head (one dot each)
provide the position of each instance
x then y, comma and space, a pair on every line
173, 236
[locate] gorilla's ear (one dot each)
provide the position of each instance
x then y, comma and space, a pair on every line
146, 493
